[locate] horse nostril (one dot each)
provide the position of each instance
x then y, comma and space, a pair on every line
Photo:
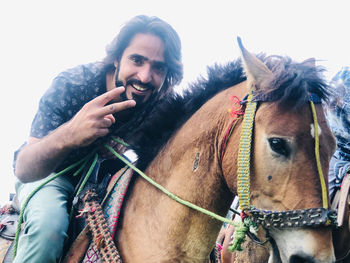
301, 259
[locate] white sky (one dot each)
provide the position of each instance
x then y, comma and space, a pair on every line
39, 39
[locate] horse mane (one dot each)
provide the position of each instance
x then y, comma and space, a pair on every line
290, 86
292, 83
174, 109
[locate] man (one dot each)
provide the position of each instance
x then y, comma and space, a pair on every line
338, 116
83, 105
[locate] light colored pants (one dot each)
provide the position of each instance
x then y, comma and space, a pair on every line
45, 220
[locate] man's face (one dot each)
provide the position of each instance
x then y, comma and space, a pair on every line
142, 68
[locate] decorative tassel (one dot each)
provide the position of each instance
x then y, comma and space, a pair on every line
241, 229
238, 237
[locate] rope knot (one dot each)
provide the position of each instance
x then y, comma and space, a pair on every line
241, 229
244, 215
238, 237
237, 108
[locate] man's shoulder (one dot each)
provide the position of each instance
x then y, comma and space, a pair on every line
76, 86
82, 74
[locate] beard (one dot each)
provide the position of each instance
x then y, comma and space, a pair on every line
140, 99
128, 114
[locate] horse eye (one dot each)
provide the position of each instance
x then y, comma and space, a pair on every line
279, 146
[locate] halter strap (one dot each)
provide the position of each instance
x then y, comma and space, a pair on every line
243, 171
317, 154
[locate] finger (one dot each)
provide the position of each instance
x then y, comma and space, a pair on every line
108, 96
111, 117
105, 123
102, 132
116, 107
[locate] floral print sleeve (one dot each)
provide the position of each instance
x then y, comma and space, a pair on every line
68, 93
66, 96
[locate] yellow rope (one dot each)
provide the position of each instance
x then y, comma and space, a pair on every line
243, 171
318, 161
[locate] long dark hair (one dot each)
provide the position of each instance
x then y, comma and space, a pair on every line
156, 26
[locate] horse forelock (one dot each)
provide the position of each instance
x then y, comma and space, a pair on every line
291, 82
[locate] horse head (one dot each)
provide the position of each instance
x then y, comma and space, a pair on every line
288, 173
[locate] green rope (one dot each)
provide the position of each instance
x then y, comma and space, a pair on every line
118, 140
165, 191
241, 228
81, 167
82, 185
88, 174
20, 218
239, 236
83, 163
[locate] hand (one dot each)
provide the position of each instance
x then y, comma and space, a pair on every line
95, 118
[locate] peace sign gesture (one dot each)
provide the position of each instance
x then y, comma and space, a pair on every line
95, 118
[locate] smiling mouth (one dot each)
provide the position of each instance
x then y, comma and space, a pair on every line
139, 88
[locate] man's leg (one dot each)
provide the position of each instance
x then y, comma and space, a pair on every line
45, 221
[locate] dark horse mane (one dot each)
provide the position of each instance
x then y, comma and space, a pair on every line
290, 85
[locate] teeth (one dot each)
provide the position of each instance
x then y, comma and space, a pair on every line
139, 88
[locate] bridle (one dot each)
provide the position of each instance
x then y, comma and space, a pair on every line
311, 217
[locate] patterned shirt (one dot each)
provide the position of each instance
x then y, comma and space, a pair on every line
338, 114
69, 92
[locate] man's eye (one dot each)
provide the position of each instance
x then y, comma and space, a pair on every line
136, 60
160, 69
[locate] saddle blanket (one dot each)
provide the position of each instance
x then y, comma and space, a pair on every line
117, 189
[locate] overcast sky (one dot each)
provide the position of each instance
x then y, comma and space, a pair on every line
39, 39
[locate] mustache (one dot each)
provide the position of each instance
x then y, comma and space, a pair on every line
139, 83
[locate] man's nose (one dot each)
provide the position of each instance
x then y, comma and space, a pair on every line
145, 74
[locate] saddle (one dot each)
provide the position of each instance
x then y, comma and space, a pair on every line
341, 235
341, 199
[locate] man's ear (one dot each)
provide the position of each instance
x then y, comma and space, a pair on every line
115, 63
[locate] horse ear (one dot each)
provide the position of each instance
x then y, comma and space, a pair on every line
255, 69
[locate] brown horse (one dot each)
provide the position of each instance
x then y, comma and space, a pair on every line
199, 163
284, 174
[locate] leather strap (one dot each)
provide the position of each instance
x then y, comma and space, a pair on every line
343, 199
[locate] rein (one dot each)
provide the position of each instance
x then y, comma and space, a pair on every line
168, 193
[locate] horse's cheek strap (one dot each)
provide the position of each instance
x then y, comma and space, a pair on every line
243, 171
317, 155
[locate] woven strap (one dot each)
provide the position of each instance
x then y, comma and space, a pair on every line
98, 226
243, 172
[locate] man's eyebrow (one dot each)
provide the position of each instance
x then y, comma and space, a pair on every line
159, 64
139, 57
154, 62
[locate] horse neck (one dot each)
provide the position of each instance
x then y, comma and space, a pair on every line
188, 166
190, 162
